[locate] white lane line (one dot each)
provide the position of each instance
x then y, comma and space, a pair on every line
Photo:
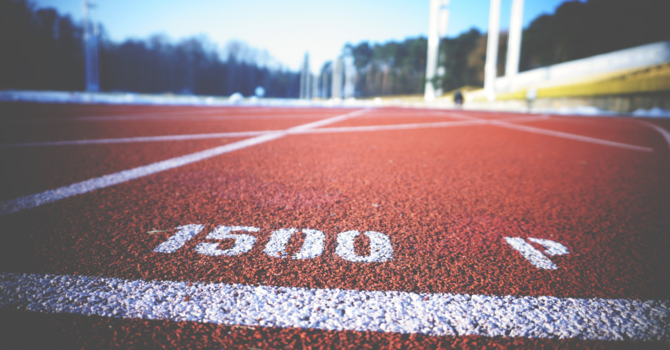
241, 134
411, 126
187, 116
557, 134
662, 131
339, 310
472, 121
139, 139
572, 136
388, 127
34, 200
324, 122
197, 117
257, 133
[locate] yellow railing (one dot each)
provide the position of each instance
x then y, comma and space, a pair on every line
651, 79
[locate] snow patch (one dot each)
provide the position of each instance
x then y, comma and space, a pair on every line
235, 99
652, 113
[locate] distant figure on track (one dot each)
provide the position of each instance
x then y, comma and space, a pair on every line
458, 99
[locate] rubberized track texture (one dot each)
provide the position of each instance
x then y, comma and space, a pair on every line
272, 228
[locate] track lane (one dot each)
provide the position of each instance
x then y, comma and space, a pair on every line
553, 133
451, 224
34, 200
120, 129
476, 184
627, 131
386, 116
32, 170
336, 129
66, 331
42, 112
161, 138
64, 122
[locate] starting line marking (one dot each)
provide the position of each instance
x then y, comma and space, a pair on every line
34, 200
339, 310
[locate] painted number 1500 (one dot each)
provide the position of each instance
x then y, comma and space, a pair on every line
380, 244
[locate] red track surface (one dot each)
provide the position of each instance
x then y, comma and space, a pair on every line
37, 169
446, 197
59, 124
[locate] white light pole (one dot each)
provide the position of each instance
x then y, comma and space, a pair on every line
315, 85
304, 78
349, 76
490, 71
90, 46
336, 92
437, 25
514, 41
324, 79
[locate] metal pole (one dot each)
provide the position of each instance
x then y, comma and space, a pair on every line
301, 92
514, 41
437, 27
349, 76
490, 71
324, 81
90, 40
304, 78
336, 92
315, 85
433, 46
444, 23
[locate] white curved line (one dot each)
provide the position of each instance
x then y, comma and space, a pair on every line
662, 131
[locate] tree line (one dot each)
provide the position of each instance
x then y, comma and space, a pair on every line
42, 50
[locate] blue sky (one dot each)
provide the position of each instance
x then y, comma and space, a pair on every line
289, 28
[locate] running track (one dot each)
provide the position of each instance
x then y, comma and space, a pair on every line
194, 227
